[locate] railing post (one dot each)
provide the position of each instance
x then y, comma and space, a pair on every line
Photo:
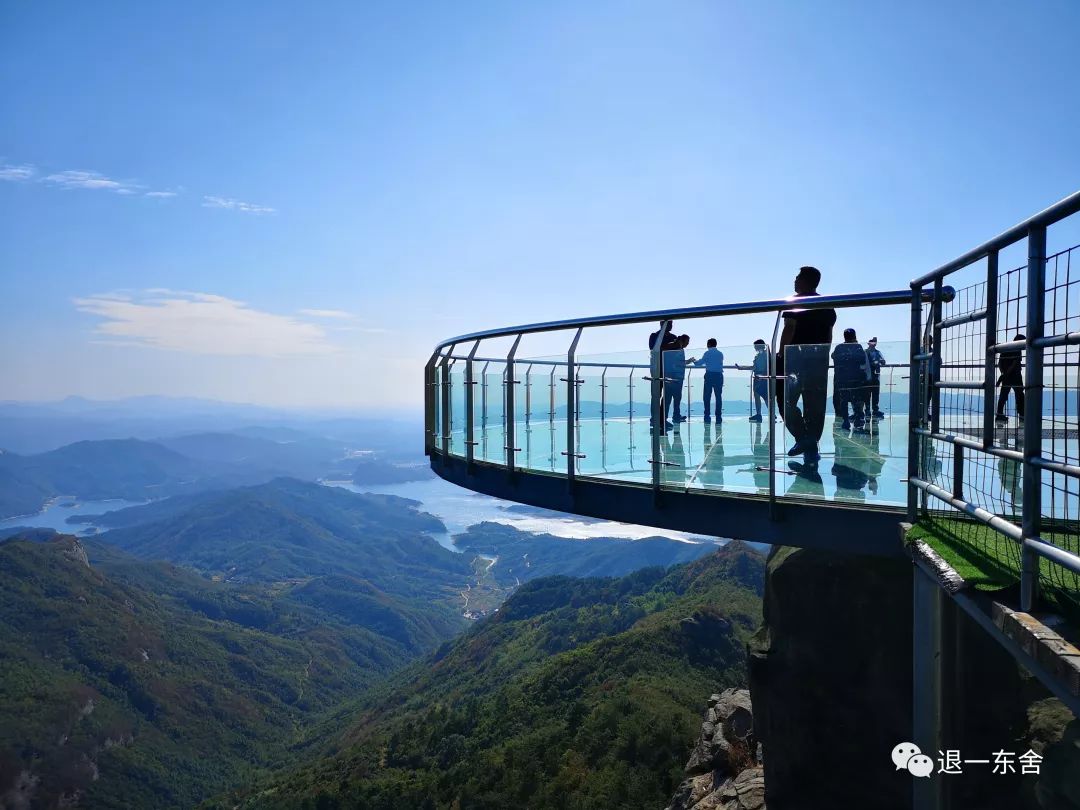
630, 404
470, 440
991, 355
603, 395
656, 407
773, 366
430, 403
958, 472
551, 398
689, 393
1033, 408
916, 407
483, 395
935, 362
446, 425
528, 395
510, 415
571, 410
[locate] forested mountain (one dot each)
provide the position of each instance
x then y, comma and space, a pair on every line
289, 529
582, 693
117, 468
137, 469
132, 684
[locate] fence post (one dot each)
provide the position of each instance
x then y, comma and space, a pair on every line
658, 422
991, 355
958, 472
510, 415
470, 440
935, 361
429, 403
916, 407
571, 411
1033, 407
773, 365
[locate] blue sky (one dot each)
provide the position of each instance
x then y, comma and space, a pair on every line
290, 205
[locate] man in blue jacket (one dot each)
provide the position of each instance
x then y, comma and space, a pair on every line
851, 375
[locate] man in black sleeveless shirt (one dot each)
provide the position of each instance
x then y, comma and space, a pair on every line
802, 367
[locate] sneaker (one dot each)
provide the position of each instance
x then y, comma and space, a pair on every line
797, 449
811, 454
707, 420
719, 419
879, 414
1001, 419
678, 419
755, 418
846, 425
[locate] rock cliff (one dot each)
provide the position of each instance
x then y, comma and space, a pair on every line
724, 771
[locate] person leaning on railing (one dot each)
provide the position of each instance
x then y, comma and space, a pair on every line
713, 387
759, 384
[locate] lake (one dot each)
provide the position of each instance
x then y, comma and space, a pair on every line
59, 509
459, 509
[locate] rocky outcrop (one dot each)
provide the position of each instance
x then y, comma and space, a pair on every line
724, 771
73, 550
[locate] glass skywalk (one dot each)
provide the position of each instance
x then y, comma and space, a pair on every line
859, 464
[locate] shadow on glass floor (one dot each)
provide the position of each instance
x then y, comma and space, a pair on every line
731, 456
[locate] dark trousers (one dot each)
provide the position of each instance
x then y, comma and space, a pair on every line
806, 379
714, 387
1017, 387
673, 394
761, 394
874, 391
855, 396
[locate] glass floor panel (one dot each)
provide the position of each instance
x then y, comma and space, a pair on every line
730, 456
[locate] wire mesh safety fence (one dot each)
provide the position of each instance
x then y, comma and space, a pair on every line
995, 457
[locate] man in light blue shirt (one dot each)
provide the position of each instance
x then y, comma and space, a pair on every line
713, 360
675, 364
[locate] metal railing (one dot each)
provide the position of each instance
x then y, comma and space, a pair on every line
956, 357
464, 350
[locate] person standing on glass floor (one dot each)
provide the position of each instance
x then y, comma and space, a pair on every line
876, 360
713, 361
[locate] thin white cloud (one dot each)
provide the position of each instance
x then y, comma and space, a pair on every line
96, 181
326, 313
201, 323
16, 174
93, 181
236, 205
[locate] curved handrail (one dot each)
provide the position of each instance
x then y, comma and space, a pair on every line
848, 300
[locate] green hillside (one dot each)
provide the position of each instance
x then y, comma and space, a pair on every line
576, 694
95, 470
133, 684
